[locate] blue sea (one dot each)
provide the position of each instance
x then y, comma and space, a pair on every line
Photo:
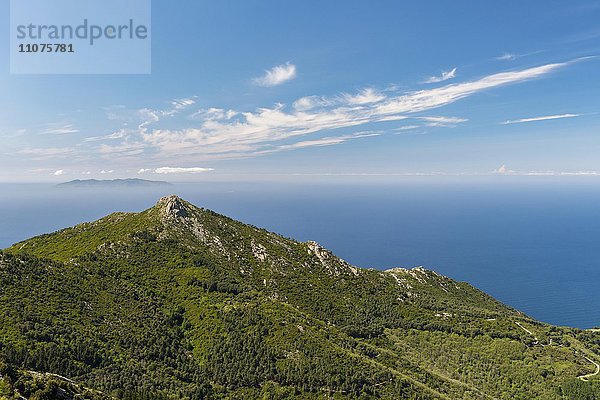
532, 244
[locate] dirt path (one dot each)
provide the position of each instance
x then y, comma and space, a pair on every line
582, 377
587, 376
528, 331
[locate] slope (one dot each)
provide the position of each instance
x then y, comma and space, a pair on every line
181, 302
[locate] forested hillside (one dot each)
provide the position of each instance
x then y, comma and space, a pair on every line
178, 302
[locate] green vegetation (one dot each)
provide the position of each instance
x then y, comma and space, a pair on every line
179, 302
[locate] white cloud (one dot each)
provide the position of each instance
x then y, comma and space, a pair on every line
424, 100
59, 129
277, 75
443, 121
213, 114
143, 170
310, 102
175, 170
581, 173
502, 170
103, 172
544, 118
59, 172
121, 133
513, 56
86, 173
327, 141
407, 128
443, 77
507, 57
365, 96
180, 104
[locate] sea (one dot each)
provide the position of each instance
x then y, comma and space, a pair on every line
531, 243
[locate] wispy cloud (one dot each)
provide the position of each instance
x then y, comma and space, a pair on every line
365, 96
148, 115
326, 141
507, 57
121, 133
215, 133
544, 118
59, 172
277, 75
474, 173
501, 170
251, 133
180, 104
176, 170
513, 56
443, 121
144, 170
213, 114
407, 128
443, 77
311, 102
58, 129
504, 170
106, 172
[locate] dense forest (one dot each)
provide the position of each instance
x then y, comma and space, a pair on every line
178, 302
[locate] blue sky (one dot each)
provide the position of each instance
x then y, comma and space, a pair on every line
248, 90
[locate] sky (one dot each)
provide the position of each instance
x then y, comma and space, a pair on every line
252, 90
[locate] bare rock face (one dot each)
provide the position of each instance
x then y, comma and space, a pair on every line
181, 217
334, 264
173, 207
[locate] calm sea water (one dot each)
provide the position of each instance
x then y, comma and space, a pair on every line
532, 246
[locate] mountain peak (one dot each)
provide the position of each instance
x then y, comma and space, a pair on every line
173, 206
200, 288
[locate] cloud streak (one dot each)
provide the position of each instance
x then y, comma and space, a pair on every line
503, 170
507, 57
514, 56
59, 129
544, 118
121, 133
326, 141
175, 170
443, 121
443, 77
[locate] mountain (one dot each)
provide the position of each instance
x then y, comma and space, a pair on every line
117, 183
179, 302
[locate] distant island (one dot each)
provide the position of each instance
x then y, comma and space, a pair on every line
109, 183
